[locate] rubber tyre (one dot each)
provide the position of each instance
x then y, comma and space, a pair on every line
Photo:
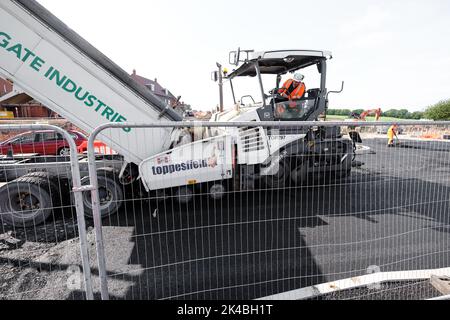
64, 151
183, 195
56, 188
106, 183
299, 175
346, 167
217, 191
278, 180
11, 212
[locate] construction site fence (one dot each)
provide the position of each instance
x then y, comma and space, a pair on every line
377, 231
40, 208
343, 210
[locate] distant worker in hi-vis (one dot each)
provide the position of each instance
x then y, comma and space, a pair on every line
391, 133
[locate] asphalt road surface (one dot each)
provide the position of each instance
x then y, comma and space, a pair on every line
392, 213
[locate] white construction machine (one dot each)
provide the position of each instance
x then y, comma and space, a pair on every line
58, 68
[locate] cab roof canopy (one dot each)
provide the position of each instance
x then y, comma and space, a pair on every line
279, 62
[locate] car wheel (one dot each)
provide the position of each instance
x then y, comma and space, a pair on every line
65, 151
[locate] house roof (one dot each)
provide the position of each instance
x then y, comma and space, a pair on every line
158, 89
15, 97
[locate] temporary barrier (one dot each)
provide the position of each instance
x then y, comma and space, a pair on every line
99, 148
38, 226
299, 224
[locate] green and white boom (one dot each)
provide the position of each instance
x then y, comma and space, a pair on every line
54, 65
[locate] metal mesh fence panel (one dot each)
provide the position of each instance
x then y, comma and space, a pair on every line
239, 211
296, 223
40, 256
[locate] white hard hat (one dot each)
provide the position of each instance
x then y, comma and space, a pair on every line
298, 77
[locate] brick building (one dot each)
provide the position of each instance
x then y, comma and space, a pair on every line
18, 104
5, 87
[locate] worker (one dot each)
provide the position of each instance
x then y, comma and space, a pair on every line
391, 133
293, 89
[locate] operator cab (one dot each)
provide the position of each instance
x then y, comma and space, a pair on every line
281, 64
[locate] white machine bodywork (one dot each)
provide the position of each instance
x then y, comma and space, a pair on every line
210, 160
21, 33
255, 146
49, 66
286, 53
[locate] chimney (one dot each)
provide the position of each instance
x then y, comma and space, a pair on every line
134, 72
156, 80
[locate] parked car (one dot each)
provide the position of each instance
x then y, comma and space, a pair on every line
41, 142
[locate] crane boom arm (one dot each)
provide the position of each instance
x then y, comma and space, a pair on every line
60, 69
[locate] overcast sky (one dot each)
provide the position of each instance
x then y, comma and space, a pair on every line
391, 54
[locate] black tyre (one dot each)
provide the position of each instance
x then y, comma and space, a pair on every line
279, 179
217, 191
64, 151
110, 191
346, 166
25, 202
184, 194
299, 175
57, 188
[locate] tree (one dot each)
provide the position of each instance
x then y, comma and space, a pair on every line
417, 115
393, 113
439, 111
344, 112
403, 114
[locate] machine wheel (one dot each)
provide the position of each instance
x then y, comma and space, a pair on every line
183, 194
346, 166
299, 175
110, 193
279, 179
217, 191
56, 188
25, 202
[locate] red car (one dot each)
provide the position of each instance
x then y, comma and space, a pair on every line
41, 142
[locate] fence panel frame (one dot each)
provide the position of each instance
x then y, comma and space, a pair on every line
77, 189
93, 186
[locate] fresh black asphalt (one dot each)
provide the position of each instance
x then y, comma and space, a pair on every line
390, 214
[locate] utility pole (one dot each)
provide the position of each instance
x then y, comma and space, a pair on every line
220, 78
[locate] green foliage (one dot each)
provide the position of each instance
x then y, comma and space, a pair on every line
439, 111
339, 112
358, 111
417, 115
392, 113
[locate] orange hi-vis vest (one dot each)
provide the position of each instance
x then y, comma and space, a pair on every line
292, 89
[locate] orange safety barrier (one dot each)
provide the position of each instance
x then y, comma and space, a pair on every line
99, 148
431, 136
